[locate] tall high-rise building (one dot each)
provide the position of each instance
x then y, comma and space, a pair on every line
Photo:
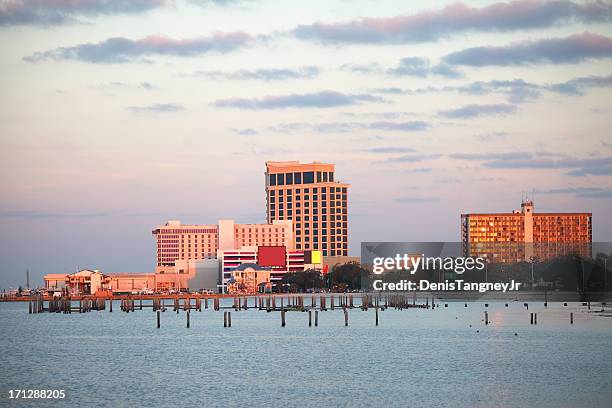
525, 234
307, 194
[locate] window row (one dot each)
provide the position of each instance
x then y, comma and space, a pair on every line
306, 177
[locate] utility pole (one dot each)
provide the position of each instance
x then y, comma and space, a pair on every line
28, 278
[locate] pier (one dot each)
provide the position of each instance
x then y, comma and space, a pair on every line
269, 303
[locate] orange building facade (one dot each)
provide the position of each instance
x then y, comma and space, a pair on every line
308, 195
90, 282
525, 235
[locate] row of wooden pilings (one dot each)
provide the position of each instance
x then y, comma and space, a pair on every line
36, 304
64, 305
282, 303
533, 318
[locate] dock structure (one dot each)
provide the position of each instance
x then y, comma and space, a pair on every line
282, 303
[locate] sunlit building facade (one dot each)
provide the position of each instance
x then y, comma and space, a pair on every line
525, 235
309, 195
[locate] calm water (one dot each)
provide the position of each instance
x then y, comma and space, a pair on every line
417, 358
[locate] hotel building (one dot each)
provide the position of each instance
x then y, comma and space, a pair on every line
178, 242
318, 206
525, 235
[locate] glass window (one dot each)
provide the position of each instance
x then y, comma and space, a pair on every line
331, 176
272, 179
289, 178
308, 177
318, 176
297, 177
325, 176
280, 179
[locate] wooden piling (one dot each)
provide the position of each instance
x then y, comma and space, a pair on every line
531, 318
376, 309
158, 319
282, 318
224, 319
316, 318
486, 316
572, 318
345, 317
309, 318
188, 322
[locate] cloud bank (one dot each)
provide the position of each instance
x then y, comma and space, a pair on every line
573, 49
323, 99
157, 108
576, 167
122, 50
265, 74
58, 12
432, 25
472, 111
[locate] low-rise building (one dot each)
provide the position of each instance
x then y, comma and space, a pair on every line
277, 259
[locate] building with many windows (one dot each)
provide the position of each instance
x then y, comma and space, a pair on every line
525, 235
308, 195
178, 242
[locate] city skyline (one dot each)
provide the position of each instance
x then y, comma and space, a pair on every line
117, 118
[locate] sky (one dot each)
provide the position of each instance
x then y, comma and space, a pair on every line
117, 116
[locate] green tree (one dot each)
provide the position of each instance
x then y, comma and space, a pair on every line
302, 281
346, 276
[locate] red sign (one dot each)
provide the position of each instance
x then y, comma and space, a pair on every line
272, 256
